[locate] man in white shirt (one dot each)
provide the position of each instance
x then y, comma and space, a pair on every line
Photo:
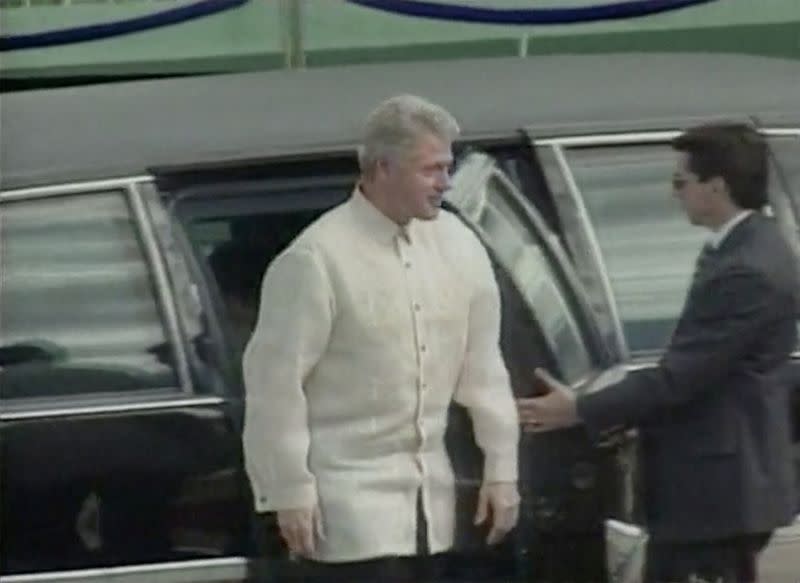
375, 319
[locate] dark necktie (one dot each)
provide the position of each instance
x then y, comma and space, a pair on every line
704, 260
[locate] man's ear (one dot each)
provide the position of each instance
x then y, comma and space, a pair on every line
718, 185
382, 168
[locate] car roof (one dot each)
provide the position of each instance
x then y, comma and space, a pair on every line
123, 129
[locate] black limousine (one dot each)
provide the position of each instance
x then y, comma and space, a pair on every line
120, 392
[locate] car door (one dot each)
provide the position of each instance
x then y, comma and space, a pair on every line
117, 459
568, 485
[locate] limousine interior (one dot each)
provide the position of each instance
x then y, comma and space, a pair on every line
136, 220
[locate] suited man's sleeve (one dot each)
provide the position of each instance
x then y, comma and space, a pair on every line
722, 326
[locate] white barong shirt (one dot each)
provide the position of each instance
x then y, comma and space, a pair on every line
366, 333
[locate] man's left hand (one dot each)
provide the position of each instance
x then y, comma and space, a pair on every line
498, 502
555, 410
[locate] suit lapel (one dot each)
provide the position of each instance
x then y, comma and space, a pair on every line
704, 261
738, 234
710, 258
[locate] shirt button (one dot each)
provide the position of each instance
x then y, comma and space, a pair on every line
417, 307
407, 264
423, 348
423, 386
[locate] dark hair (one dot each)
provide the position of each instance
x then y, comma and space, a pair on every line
734, 152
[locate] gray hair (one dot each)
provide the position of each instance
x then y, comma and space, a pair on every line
392, 128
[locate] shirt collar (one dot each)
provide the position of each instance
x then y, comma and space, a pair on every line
374, 222
718, 236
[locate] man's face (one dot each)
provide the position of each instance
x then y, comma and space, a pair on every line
417, 182
695, 196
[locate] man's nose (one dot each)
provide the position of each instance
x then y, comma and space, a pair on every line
443, 181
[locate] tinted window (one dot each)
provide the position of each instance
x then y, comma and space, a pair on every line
511, 239
787, 154
648, 247
647, 244
236, 228
78, 312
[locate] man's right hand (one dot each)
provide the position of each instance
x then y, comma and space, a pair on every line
300, 528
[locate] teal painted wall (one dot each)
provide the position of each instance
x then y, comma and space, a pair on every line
333, 32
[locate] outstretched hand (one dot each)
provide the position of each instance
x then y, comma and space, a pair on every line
555, 410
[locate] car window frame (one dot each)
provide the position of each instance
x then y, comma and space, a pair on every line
199, 312
792, 189
180, 393
477, 175
184, 203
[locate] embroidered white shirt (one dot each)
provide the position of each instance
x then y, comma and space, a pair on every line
366, 333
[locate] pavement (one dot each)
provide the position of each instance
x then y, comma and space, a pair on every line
780, 561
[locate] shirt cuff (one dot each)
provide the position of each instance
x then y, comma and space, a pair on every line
500, 468
286, 498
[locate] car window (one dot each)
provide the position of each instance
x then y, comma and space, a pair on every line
235, 241
78, 308
512, 241
647, 245
786, 150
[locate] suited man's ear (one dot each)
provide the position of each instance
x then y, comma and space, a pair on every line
719, 186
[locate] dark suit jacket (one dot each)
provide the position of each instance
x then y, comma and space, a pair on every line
714, 414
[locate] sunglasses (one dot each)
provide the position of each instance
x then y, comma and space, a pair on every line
680, 182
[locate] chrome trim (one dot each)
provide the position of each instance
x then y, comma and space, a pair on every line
781, 132
551, 241
116, 408
474, 169
66, 188
553, 247
594, 250
608, 139
475, 172
197, 571
584, 380
163, 288
634, 366
639, 137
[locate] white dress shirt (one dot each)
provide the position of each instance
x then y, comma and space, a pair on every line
719, 235
366, 332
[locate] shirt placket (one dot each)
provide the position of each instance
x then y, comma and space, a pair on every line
413, 272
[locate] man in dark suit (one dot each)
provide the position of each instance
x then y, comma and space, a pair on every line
714, 414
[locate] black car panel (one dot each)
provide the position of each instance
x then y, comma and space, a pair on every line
108, 457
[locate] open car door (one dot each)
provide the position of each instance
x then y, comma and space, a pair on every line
568, 484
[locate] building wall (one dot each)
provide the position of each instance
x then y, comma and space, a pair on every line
263, 34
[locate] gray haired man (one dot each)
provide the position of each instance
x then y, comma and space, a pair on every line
377, 317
